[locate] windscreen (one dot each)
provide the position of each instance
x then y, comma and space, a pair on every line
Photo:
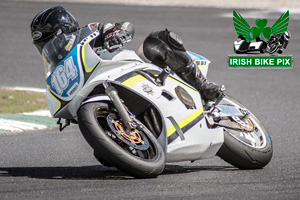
59, 47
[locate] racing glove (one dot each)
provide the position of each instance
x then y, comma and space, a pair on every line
115, 35
114, 41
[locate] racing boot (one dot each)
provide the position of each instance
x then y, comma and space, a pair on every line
209, 90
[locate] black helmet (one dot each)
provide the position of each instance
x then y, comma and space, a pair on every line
50, 22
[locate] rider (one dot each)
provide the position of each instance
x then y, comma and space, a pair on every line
163, 48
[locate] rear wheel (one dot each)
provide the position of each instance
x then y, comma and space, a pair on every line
247, 145
135, 152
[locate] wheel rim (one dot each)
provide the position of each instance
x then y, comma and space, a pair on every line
250, 132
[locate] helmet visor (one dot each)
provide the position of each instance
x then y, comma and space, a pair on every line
63, 20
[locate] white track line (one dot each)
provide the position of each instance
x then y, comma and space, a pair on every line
45, 113
29, 89
12, 125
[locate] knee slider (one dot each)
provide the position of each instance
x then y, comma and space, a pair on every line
175, 41
171, 39
166, 48
155, 49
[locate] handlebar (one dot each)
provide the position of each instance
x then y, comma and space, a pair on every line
124, 39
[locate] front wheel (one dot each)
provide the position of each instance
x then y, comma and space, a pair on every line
135, 152
273, 47
247, 145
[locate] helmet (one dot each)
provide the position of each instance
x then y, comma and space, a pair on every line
51, 22
287, 35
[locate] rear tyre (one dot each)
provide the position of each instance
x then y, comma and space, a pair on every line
247, 145
139, 155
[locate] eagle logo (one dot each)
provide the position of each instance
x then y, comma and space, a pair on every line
262, 31
277, 37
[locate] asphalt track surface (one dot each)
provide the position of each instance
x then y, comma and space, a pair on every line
52, 165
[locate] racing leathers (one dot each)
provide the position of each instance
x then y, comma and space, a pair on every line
165, 48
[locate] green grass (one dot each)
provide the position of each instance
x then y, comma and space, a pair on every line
12, 101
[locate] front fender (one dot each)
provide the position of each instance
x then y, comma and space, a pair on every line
97, 98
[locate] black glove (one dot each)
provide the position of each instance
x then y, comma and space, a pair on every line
113, 41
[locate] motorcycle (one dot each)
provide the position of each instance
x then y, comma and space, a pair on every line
137, 116
278, 42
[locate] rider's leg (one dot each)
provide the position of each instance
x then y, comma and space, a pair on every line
166, 48
208, 90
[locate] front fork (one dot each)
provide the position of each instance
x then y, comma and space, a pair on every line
118, 104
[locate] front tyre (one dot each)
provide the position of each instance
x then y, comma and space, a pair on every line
273, 47
139, 154
247, 145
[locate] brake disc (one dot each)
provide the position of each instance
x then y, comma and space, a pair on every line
134, 138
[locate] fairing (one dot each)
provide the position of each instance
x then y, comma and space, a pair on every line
69, 61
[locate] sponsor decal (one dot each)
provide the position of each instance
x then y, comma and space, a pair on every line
70, 44
147, 89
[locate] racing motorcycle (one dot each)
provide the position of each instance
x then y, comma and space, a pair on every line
137, 116
278, 42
